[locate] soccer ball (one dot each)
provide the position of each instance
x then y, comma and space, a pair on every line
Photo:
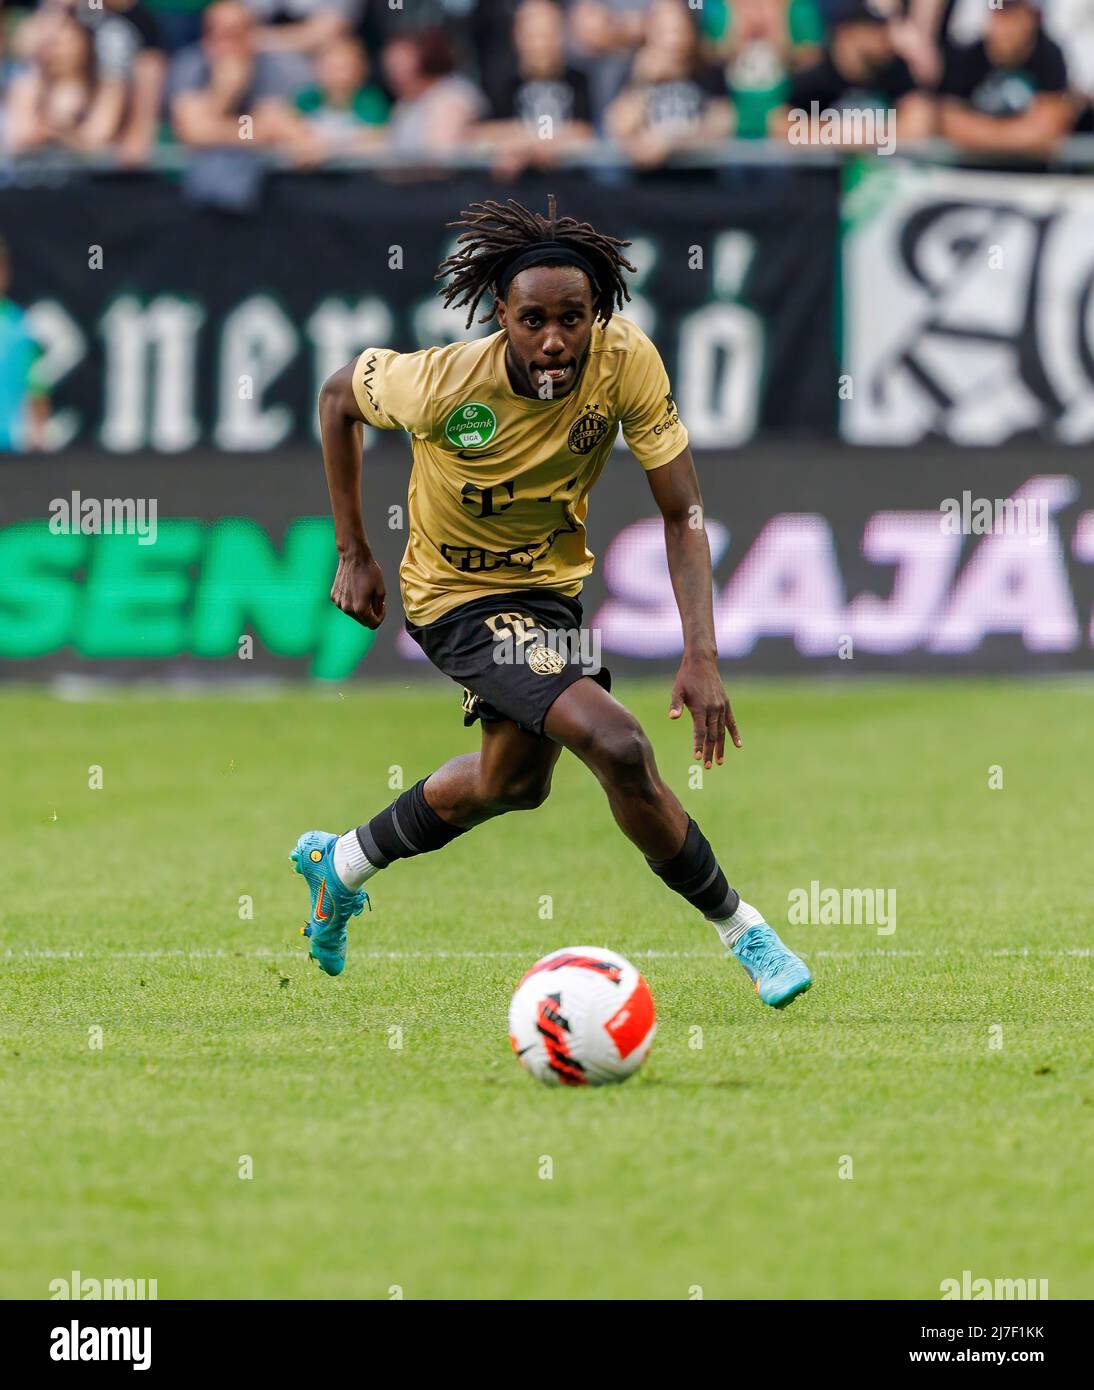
582, 1017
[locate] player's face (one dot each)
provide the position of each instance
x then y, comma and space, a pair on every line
548, 315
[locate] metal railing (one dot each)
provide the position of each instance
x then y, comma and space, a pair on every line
1075, 154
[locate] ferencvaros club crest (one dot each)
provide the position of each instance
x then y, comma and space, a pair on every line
587, 430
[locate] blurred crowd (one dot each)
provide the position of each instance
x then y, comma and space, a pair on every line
522, 81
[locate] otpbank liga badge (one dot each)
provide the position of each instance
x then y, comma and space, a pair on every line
470, 426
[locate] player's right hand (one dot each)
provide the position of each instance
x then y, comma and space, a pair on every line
358, 590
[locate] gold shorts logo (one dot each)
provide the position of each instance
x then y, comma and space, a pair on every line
587, 431
545, 661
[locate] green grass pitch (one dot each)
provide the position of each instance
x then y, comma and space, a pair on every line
945, 1060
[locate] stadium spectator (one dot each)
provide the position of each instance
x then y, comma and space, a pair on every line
435, 107
761, 43
301, 26
24, 405
59, 98
858, 73
293, 32
178, 21
962, 22
604, 37
672, 100
915, 27
952, 24
344, 106
217, 84
543, 109
1009, 91
488, 37
128, 50
1070, 23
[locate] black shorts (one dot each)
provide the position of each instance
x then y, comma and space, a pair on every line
514, 654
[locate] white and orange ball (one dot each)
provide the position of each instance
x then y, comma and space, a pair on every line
582, 1016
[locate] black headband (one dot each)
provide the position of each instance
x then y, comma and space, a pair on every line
539, 253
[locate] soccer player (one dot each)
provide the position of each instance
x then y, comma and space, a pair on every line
510, 432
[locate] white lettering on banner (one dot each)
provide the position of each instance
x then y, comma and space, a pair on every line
63, 344
151, 345
258, 342
337, 330
153, 356
948, 340
721, 359
721, 353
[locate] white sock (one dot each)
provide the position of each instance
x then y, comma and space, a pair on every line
733, 928
350, 863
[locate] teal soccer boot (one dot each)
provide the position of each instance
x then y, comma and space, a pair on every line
777, 973
332, 903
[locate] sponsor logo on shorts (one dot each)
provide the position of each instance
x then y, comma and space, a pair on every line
471, 426
519, 640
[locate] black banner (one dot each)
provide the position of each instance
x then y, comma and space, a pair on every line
167, 326
172, 1338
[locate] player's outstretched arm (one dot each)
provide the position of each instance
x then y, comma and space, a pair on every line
698, 686
358, 587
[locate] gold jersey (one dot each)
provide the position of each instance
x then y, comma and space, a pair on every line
500, 483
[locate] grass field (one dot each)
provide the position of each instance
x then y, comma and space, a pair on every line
376, 1166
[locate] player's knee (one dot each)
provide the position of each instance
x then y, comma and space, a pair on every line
623, 756
519, 793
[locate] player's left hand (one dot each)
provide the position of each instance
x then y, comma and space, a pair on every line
698, 687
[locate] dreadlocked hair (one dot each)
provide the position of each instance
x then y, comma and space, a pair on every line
497, 233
